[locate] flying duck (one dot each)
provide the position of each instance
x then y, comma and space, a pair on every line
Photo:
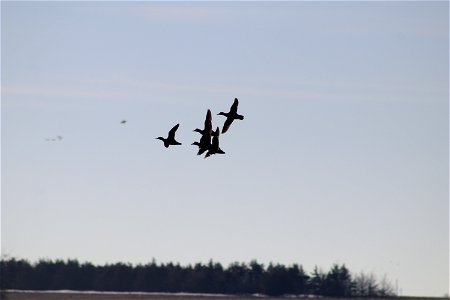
231, 116
170, 138
205, 140
215, 149
208, 124
203, 145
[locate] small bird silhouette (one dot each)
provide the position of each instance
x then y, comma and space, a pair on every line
123, 122
203, 145
205, 140
214, 148
231, 115
170, 138
58, 138
208, 124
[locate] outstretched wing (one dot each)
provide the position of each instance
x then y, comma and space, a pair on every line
208, 122
201, 151
205, 140
227, 124
215, 139
234, 107
172, 131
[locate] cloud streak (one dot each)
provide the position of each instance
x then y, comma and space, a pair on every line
122, 88
52, 91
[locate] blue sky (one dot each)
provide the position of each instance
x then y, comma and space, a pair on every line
342, 156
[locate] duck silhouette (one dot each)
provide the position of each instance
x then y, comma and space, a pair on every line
170, 138
205, 140
203, 145
214, 148
231, 115
208, 124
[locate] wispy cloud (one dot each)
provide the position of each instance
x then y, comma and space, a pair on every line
53, 91
118, 87
145, 87
179, 11
306, 90
127, 89
333, 18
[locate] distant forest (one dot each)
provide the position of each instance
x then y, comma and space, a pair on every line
237, 278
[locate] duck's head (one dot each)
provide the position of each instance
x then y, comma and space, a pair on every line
196, 144
222, 114
160, 138
198, 130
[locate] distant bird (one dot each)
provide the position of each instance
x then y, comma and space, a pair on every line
215, 149
170, 138
208, 124
205, 140
203, 145
123, 122
202, 131
231, 116
58, 138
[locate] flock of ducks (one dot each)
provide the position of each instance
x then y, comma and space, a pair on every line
56, 139
205, 144
209, 141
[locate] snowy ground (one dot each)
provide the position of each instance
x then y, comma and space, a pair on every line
93, 295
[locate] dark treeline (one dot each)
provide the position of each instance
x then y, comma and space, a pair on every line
237, 278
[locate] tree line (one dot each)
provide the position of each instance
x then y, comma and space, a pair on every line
212, 277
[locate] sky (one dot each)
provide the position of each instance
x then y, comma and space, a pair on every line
342, 156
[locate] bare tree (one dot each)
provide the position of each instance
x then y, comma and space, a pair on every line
365, 285
386, 288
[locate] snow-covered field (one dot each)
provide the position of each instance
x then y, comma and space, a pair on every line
94, 295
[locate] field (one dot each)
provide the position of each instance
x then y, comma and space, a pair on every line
70, 295
37, 295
